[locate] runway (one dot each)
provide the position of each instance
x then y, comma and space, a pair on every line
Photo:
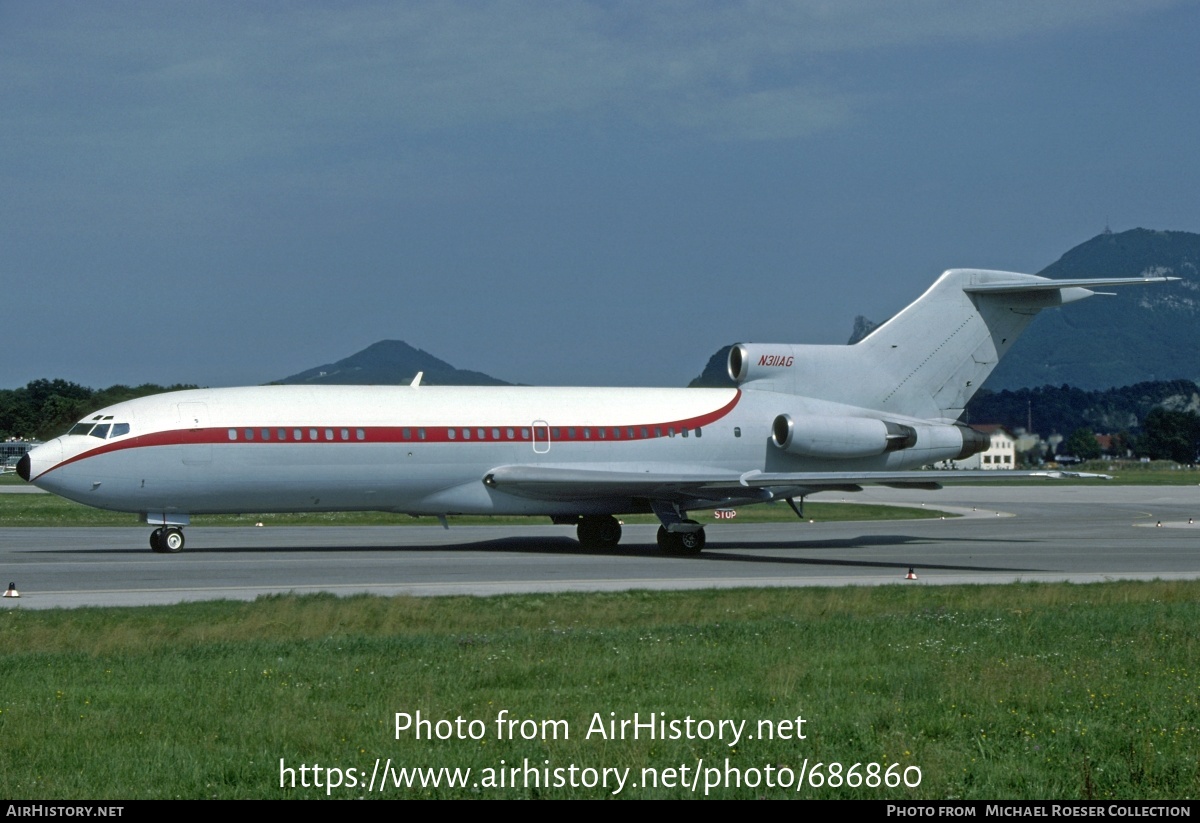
1012, 533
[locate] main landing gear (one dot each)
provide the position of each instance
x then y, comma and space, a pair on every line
685, 537
599, 532
682, 543
166, 540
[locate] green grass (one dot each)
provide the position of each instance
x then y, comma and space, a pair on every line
1005, 692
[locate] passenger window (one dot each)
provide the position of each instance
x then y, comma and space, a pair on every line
233, 434
249, 434
466, 434
524, 434
697, 432
329, 434
684, 431
737, 431
481, 434
645, 432
495, 434
511, 434
312, 434
420, 434
266, 434
406, 434
297, 434
282, 433
571, 434
345, 434
450, 434
657, 431
360, 434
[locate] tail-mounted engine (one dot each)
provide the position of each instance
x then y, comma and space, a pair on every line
840, 437
843, 438
752, 361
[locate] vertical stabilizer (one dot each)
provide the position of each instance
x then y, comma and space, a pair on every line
928, 360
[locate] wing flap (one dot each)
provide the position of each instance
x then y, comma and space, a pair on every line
581, 483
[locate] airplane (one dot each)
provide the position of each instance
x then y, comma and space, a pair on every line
800, 419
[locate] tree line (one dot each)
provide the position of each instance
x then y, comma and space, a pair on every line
1153, 419
43, 409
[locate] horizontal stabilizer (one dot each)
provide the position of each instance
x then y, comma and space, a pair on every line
1019, 287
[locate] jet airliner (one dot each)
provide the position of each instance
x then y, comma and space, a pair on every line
800, 419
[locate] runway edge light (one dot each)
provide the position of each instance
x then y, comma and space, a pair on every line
911, 575
11, 591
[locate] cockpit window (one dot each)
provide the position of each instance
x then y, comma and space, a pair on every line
103, 430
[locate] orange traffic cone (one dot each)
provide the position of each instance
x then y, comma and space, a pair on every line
11, 591
911, 575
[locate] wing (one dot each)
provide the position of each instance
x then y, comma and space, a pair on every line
701, 486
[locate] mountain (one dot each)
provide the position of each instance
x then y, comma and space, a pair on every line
389, 363
862, 327
1141, 334
715, 374
1135, 336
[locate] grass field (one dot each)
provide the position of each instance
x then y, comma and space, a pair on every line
1007, 692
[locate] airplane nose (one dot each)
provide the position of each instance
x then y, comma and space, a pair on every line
38, 460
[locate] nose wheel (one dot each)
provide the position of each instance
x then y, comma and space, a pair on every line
166, 540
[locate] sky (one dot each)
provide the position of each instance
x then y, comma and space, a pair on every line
554, 193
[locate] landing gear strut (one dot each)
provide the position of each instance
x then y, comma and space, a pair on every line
166, 540
682, 543
598, 532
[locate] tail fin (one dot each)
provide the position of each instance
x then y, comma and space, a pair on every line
931, 358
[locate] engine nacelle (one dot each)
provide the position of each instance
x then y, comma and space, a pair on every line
950, 441
839, 438
751, 361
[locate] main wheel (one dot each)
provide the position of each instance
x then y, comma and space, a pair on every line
691, 542
156, 540
681, 543
172, 540
599, 532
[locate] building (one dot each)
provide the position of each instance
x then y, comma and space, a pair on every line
1002, 454
11, 451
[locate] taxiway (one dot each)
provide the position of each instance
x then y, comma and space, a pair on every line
1010, 533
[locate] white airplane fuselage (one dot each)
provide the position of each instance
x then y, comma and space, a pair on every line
424, 450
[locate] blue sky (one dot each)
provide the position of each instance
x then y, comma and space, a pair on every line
566, 193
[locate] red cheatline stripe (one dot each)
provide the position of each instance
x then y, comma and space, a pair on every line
395, 434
